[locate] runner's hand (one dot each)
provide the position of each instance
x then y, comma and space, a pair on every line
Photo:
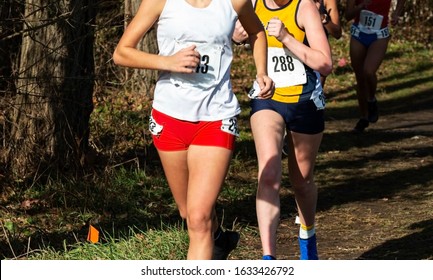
277, 29
239, 34
184, 61
267, 86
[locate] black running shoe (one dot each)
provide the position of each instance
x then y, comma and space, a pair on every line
373, 111
225, 244
361, 125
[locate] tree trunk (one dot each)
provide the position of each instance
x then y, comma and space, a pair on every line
50, 120
141, 81
10, 42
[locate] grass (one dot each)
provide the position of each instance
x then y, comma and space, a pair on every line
124, 193
169, 243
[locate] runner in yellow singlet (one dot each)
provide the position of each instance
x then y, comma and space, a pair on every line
298, 51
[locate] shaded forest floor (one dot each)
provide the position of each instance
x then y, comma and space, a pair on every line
375, 191
375, 188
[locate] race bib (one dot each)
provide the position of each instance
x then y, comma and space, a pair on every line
206, 74
254, 91
285, 68
230, 125
317, 95
369, 22
318, 99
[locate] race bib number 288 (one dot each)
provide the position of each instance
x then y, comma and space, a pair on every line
285, 68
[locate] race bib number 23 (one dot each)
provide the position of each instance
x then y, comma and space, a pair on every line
206, 73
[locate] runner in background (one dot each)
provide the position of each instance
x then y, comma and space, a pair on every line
368, 44
330, 16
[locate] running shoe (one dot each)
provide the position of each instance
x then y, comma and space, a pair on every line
225, 244
361, 125
373, 111
308, 248
268, 257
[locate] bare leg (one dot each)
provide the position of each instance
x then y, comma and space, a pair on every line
268, 129
195, 178
358, 53
366, 62
176, 171
303, 149
375, 55
207, 168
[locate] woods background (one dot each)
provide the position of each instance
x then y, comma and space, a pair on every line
55, 65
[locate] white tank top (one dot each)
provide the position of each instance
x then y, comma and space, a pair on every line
206, 95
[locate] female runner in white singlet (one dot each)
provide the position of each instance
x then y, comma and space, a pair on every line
193, 121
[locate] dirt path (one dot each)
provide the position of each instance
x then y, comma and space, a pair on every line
375, 194
393, 217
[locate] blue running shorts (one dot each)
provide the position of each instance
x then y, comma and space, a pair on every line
302, 117
368, 38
